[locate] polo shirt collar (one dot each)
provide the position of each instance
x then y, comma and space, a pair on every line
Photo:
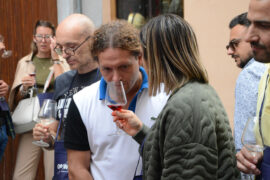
103, 85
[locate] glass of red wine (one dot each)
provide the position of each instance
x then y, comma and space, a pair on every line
31, 70
115, 99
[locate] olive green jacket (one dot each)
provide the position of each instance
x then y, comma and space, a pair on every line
191, 138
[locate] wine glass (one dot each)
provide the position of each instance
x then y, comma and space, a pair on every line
31, 72
31, 69
115, 98
46, 116
6, 53
251, 139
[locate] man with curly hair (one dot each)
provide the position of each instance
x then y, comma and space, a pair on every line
93, 153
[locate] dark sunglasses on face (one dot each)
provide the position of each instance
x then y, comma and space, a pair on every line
233, 44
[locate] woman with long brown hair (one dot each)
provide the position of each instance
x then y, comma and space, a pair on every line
191, 137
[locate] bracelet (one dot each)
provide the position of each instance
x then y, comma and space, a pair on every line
56, 61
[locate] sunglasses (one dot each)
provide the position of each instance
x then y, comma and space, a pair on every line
233, 44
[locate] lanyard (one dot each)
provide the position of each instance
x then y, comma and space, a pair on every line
261, 109
141, 150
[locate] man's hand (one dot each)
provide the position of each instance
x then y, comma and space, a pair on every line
41, 132
28, 81
3, 88
2, 46
246, 161
52, 46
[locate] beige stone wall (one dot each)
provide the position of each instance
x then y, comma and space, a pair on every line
210, 19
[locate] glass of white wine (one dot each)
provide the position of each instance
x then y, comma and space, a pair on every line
251, 139
46, 116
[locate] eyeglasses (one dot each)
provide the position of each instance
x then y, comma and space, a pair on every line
233, 44
40, 37
69, 51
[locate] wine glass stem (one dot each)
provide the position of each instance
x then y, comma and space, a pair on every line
252, 176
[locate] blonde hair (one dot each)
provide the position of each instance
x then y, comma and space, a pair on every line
171, 53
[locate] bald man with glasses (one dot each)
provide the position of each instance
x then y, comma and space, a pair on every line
72, 43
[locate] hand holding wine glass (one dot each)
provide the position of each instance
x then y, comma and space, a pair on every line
115, 98
29, 80
46, 116
6, 53
251, 140
128, 121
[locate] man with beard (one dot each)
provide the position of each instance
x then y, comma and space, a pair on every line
258, 35
246, 90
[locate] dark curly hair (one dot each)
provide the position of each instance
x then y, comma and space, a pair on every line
116, 34
241, 19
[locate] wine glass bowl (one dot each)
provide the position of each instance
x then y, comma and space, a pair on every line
115, 98
251, 138
31, 70
6, 53
115, 95
46, 116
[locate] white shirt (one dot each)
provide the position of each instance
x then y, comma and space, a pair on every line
113, 157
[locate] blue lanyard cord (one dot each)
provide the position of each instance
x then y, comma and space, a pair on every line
260, 113
141, 150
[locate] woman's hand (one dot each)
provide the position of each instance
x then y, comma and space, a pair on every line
127, 121
246, 162
41, 132
58, 69
54, 55
28, 81
3, 88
